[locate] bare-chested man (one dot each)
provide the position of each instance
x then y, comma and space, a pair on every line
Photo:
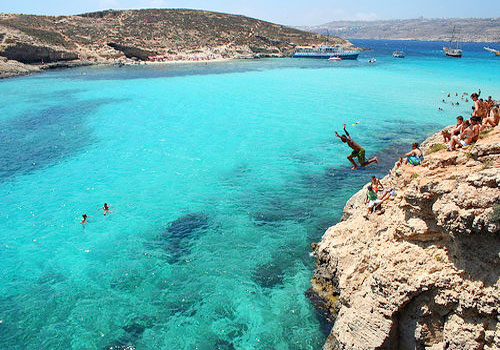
358, 151
447, 134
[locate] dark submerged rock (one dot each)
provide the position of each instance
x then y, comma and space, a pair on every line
268, 275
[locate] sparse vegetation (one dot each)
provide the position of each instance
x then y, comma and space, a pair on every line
468, 153
486, 165
159, 31
436, 148
483, 133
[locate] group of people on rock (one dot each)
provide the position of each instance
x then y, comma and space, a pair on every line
486, 113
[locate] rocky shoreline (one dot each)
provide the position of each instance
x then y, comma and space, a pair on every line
30, 43
424, 274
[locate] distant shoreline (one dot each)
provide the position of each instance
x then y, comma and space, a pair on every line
26, 70
428, 40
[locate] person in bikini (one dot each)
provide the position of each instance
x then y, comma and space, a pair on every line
455, 131
358, 151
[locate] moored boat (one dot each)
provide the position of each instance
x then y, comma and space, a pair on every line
325, 51
398, 54
453, 50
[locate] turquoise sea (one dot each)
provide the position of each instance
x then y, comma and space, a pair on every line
220, 177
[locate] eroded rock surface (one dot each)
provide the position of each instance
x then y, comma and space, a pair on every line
424, 274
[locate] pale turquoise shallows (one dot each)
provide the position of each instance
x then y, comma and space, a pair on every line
220, 177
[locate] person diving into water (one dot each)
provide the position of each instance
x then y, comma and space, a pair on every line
358, 151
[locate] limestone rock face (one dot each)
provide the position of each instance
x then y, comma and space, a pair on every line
424, 274
32, 53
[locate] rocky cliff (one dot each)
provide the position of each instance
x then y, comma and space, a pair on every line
424, 273
121, 36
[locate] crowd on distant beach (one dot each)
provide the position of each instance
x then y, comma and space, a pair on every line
485, 115
192, 57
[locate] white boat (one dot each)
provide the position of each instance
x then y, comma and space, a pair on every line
373, 60
325, 51
398, 54
453, 50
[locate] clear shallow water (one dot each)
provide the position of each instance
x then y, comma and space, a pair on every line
221, 176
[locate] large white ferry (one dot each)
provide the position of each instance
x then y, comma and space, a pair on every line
325, 51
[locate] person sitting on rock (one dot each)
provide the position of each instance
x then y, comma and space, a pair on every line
371, 199
468, 136
455, 131
415, 156
493, 119
376, 184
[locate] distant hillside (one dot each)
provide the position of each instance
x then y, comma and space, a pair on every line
469, 29
109, 36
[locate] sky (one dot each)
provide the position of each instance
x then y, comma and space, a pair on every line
289, 12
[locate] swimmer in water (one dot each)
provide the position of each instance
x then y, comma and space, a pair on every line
84, 220
105, 208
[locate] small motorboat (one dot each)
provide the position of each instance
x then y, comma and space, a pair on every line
373, 60
335, 58
398, 54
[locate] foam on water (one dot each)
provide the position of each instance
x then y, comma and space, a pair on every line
220, 175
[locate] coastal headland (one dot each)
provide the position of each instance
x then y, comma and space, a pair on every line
428, 29
423, 274
30, 43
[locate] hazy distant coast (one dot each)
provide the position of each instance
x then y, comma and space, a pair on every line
429, 29
29, 42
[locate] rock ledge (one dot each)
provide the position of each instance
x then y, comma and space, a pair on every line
425, 273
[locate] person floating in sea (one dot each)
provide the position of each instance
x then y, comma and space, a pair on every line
105, 208
84, 220
358, 151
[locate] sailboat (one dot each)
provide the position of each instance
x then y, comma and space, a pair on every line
453, 50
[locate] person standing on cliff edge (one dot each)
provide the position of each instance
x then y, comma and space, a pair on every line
357, 151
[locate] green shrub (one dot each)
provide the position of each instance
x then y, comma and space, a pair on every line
437, 147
